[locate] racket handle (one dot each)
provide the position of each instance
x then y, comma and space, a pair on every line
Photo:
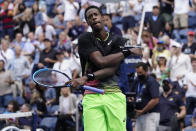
93, 89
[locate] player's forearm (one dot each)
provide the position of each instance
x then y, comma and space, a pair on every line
106, 72
112, 59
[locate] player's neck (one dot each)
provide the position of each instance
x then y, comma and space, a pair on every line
101, 34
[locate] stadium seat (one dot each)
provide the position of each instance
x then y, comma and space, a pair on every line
48, 123
183, 41
183, 33
2, 110
54, 108
7, 99
187, 120
20, 100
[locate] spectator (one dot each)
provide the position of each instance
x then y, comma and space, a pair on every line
84, 5
18, 9
38, 18
67, 103
64, 43
76, 29
166, 7
147, 99
48, 31
7, 21
27, 24
18, 41
18, 13
111, 27
19, 65
29, 48
160, 70
168, 29
50, 97
156, 23
6, 53
39, 47
47, 56
160, 50
50, 7
172, 108
71, 9
25, 122
149, 40
31, 89
6, 82
190, 47
11, 108
127, 13
59, 23
138, 10
149, 7
38, 103
180, 19
190, 85
179, 64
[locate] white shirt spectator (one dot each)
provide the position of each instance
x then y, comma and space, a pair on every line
70, 10
179, 66
188, 80
125, 7
7, 55
181, 6
149, 5
49, 33
111, 8
67, 66
138, 6
29, 47
65, 105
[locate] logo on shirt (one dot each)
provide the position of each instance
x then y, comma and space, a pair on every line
109, 43
171, 99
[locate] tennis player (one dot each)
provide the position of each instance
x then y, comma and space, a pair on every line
100, 56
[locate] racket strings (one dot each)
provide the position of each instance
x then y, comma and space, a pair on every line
51, 78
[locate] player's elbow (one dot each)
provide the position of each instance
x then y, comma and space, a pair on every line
101, 63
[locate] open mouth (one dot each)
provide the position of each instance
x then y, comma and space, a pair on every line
95, 23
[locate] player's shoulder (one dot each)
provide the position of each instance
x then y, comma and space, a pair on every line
85, 35
118, 39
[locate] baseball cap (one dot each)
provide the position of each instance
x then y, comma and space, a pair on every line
160, 42
191, 33
176, 44
162, 56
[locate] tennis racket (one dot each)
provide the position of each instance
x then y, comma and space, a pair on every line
50, 78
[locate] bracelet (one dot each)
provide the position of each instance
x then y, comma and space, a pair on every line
90, 77
126, 52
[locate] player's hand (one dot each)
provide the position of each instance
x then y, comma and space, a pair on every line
40, 65
78, 82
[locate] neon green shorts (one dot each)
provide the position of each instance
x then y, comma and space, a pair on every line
104, 112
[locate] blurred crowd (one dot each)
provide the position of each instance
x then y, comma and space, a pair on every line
43, 33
